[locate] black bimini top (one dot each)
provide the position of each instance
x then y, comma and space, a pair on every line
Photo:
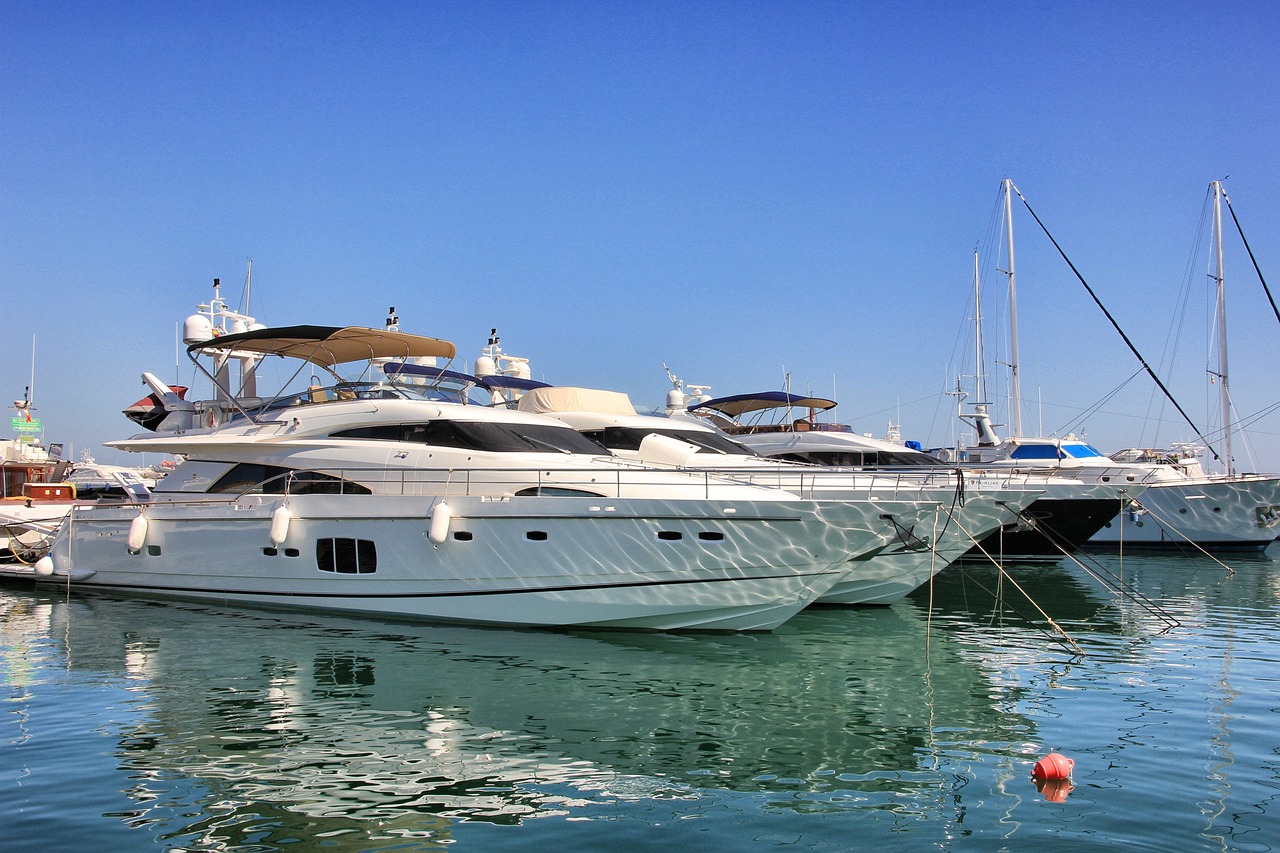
328, 346
741, 404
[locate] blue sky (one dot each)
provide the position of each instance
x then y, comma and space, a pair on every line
740, 190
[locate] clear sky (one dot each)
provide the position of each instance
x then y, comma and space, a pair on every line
742, 190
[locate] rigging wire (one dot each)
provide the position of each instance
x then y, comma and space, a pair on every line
1116, 325
964, 355
1079, 419
1256, 268
1169, 356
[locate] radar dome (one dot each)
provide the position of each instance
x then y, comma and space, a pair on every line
197, 329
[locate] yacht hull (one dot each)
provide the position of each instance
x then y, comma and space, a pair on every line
943, 537
1052, 528
540, 561
1240, 514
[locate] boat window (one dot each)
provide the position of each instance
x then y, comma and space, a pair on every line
629, 438
347, 556
273, 480
861, 458
479, 435
1035, 451
555, 492
1081, 451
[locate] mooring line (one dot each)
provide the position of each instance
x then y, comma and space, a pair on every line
1004, 574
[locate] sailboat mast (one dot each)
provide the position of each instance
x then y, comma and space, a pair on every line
1219, 279
1015, 392
980, 356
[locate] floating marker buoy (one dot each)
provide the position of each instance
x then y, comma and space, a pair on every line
1053, 767
44, 567
441, 515
280, 524
137, 534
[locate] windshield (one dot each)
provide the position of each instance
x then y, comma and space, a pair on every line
1036, 451
1081, 451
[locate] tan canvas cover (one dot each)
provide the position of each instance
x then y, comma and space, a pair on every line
563, 399
329, 346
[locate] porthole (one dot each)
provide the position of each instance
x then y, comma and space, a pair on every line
670, 535
536, 535
462, 535
710, 535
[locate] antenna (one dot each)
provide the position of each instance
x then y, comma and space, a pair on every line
248, 284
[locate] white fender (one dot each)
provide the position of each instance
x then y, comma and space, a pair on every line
44, 567
441, 515
280, 524
137, 534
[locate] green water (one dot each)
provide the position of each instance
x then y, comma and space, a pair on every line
133, 725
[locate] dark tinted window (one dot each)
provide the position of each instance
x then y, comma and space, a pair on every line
273, 480
346, 556
863, 458
477, 435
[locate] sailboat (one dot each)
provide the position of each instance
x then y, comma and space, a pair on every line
1228, 510
1183, 506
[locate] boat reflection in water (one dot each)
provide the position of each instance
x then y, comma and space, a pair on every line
315, 725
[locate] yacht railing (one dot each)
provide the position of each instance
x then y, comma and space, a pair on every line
620, 480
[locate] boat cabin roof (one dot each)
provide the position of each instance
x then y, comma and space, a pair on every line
569, 399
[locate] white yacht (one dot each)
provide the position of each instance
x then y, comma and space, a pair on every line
1182, 506
361, 495
1192, 508
782, 425
955, 516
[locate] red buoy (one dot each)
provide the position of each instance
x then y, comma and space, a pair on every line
1053, 767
